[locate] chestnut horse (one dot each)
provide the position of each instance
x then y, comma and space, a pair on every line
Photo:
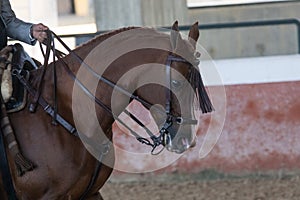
63, 165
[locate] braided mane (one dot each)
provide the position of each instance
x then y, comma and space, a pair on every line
104, 36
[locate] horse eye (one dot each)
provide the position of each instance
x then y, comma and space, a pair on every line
176, 84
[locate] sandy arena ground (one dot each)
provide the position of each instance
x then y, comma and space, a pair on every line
247, 188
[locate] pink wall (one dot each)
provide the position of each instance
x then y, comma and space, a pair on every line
261, 132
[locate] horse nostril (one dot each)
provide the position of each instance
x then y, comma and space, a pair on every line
193, 143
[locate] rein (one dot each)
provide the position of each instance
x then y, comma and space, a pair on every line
163, 132
164, 136
154, 142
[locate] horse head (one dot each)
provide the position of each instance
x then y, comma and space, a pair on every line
156, 69
173, 99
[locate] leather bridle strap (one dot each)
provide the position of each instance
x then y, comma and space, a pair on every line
42, 102
37, 95
180, 120
171, 58
168, 88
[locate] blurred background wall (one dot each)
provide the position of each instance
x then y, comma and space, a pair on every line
70, 16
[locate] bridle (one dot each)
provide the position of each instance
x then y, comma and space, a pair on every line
164, 136
170, 119
164, 133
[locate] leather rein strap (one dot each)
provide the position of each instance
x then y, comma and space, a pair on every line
52, 111
37, 95
42, 102
156, 140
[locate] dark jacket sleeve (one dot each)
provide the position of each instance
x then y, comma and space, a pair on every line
16, 28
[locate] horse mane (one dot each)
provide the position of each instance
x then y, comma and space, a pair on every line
104, 36
85, 48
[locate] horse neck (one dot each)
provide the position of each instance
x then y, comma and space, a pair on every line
97, 55
65, 84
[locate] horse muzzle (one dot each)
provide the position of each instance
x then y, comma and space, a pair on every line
177, 134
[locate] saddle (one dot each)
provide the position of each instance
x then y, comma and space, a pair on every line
15, 100
13, 60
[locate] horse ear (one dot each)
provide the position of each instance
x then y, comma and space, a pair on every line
175, 36
194, 34
175, 26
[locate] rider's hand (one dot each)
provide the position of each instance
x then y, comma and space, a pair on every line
38, 32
